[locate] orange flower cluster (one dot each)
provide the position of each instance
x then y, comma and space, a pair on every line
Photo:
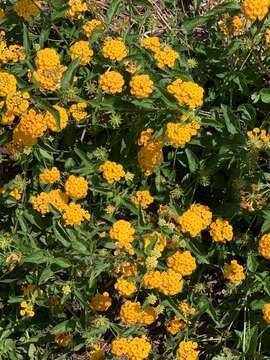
178, 134
49, 70
234, 272
264, 246
182, 262
90, 26
50, 176
187, 350
81, 48
11, 53
221, 231
111, 82
167, 282
114, 49
231, 25
101, 302
187, 93
150, 153
136, 349
123, 232
112, 172
27, 9
133, 314
143, 199
125, 287
76, 187
197, 218
76, 9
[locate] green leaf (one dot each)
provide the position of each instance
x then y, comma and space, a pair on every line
251, 341
68, 75
192, 160
46, 274
265, 95
230, 6
231, 121
113, 10
63, 263
61, 234
63, 327
26, 42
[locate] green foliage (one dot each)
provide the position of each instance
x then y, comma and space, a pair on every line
222, 165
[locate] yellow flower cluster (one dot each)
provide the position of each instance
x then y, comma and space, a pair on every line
78, 112
150, 153
143, 199
32, 126
187, 350
8, 84
49, 70
167, 282
12, 260
50, 176
111, 82
145, 137
27, 309
166, 57
56, 198
52, 122
255, 9
97, 353
197, 218
266, 313
114, 49
234, 272
178, 134
12, 53
221, 231
182, 262
125, 287
126, 268
175, 325
264, 246
258, 134
17, 103
16, 194
123, 233
133, 314
81, 48
187, 93
76, 187
141, 86
159, 240
74, 214
90, 26
186, 309
151, 43
231, 25
136, 349
63, 340
76, 9
101, 302
27, 9
112, 172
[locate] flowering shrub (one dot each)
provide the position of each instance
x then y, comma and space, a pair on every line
134, 179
